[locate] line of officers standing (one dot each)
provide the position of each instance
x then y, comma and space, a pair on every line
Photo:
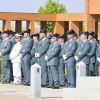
18, 52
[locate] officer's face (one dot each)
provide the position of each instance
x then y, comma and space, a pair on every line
75, 37
10, 36
42, 35
69, 36
90, 37
60, 40
83, 37
35, 38
4, 36
18, 39
53, 40
26, 35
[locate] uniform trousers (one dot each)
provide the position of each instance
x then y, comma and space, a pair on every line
70, 69
17, 72
61, 73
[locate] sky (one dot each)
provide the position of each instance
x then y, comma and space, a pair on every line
73, 6
32, 6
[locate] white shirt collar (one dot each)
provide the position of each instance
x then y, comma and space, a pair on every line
70, 40
27, 38
91, 40
84, 40
43, 39
55, 42
62, 43
6, 39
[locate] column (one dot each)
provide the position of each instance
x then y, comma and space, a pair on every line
58, 27
18, 26
6, 25
30, 25
76, 26
43, 25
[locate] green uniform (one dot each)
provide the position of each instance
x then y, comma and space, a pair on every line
33, 51
5, 49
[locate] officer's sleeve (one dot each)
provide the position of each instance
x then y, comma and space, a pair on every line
72, 51
98, 51
17, 52
28, 48
8, 49
86, 50
55, 52
33, 52
93, 50
45, 48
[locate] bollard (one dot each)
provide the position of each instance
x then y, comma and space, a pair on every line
35, 81
80, 71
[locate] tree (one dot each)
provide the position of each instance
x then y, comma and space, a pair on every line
52, 7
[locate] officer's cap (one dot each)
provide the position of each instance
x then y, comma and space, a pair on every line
43, 31
11, 32
18, 36
91, 33
35, 35
95, 36
70, 32
55, 35
27, 31
75, 35
85, 33
6, 32
62, 36
21, 33
49, 37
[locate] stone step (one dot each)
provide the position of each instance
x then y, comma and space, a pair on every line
89, 83
80, 94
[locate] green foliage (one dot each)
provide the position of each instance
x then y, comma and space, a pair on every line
99, 27
52, 7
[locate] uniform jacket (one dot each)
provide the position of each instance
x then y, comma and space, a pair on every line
61, 60
83, 52
97, 54
26, 47
42, 48
34, 50
5, 48
69, 50
14, 55
93, 51
13, 41
53, 54
79, 41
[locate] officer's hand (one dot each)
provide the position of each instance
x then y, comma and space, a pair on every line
38, 55
98, 59
64, 57
0, 53
76, 58
20, 55
46, 58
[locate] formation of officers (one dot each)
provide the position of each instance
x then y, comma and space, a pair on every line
18, 52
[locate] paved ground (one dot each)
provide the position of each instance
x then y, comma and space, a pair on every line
12, 92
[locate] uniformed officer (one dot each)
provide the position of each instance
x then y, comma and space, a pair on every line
26, 56
61, 66
43, 46
68, 52
16, 60
5, 49
95, 38
12, 37
78, 40
34, 48
52, 58
82, 53
92, 54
